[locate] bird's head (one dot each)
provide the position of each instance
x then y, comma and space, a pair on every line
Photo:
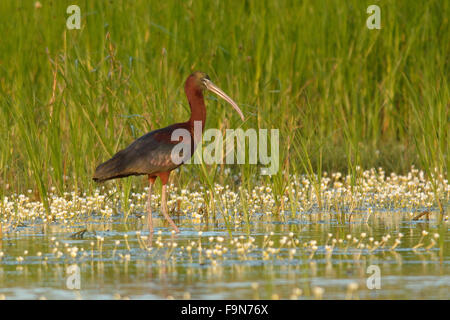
203, 82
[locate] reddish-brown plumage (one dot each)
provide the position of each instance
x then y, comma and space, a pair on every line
151, 154
196, 100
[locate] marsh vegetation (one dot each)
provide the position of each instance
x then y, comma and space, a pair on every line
344, 98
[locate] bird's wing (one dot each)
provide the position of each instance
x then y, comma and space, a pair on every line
149, 154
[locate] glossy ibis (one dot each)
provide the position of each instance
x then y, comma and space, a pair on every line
151, 154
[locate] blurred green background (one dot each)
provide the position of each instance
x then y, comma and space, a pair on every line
341, 95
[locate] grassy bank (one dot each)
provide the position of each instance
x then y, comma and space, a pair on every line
341, 95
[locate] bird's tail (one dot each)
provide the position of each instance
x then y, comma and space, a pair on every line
111, 169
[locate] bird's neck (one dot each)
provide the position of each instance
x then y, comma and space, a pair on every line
197, 104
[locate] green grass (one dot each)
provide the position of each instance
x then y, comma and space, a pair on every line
343, 94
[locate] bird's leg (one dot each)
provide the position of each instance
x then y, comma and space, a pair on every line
151, 181
164, 209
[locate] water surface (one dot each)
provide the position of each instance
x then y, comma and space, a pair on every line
114, 260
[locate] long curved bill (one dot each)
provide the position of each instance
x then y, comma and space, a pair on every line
213, 88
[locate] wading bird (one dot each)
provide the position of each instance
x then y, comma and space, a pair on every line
151, 154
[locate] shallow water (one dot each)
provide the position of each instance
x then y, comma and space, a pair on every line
36, 259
